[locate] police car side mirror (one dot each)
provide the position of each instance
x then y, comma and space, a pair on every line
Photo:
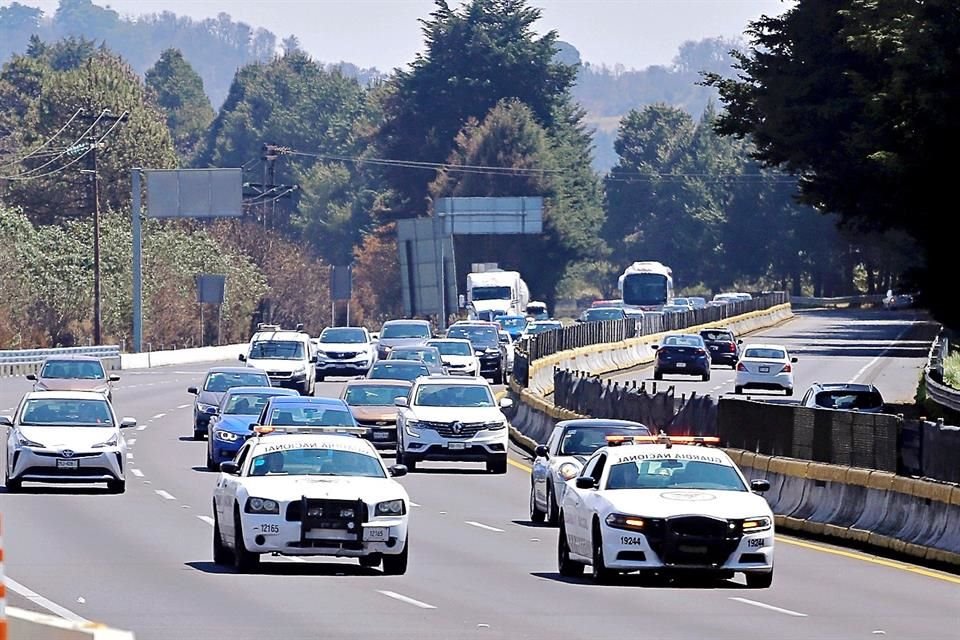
760, 486
6, 421
252, 426
654, 346
398, 470
242, 358
586, 482
793, 359
192, 390
541, 451
114, 378
230, 468
32, 377
127, 423
313, 359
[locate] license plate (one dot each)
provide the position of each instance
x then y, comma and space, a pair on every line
681, 365
68, 464
381, 435
376, 534
764, 369
714, 347
456, 446
269, 529
686, 548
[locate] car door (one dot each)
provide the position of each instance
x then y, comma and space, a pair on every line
542, 468
577, 514
225, 493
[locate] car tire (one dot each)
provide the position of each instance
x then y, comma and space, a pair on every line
13, 486
758, 580
371, 561
221, 554
706, 377
536, 516
738, 390
553, 510
198, 435
566, 567
396, 565
243, 561
498, 376
116, 486
657, 375
497, 465
319, 378
211, 465
599, 571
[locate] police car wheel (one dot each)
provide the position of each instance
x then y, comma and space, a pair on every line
757, 580
565, 566
396, 565
221, 554
553, 511
243, 560
371, 561
600, 573
536, 515
13, 486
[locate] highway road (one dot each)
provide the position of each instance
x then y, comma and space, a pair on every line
478, 568
871, 346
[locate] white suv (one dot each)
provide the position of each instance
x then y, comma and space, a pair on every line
452, 418
288, 357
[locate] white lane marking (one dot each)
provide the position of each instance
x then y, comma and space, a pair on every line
129, 456
206, 519
163, 494
402, 598
38, 599
137, 472
770, 607
132, 441
863, 370
158, 416
480, 525
141, 427
183, 406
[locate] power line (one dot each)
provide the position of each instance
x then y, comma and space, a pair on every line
25, 176
45, 143
435, 166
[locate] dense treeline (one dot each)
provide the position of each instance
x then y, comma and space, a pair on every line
490, 108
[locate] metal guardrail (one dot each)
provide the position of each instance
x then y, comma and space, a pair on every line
30, 356
843, 301
940, 393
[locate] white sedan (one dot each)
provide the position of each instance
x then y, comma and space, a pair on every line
310, 492
662, 507
765, 366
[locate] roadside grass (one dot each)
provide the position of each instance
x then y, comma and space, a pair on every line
951, 370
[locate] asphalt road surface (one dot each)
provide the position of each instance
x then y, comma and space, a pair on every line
478, 568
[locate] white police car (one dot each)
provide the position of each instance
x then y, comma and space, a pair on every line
310, 491
652, 506
570, 444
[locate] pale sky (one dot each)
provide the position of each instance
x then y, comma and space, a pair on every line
385, 33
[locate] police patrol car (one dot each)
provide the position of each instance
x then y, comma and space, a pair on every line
644, 503
310, 491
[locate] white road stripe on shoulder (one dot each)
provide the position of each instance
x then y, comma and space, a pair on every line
39, 600
183, 406
480, 525
206, 519
137, 472
158, 416
770, 607
141, 427
403, 598
163, 494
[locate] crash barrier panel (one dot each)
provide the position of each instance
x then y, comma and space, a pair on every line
837, 302
20, 362
911, 516
150, 359
940, 393
30, 625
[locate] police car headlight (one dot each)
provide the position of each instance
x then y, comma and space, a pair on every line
225, 436
568, 471
262, 506
755, 525
390, 508
630, 523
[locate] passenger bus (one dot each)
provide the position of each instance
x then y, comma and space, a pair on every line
646, 285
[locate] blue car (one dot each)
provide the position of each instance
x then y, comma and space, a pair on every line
230, 425
514, 325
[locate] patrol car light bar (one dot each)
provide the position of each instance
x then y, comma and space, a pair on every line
669, 441
262, 430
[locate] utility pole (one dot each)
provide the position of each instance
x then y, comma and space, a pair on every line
268, 192
94, 144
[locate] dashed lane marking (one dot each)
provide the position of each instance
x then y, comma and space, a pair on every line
206, 519
183, 406
141, 427
480, 525
406, 599
158, 416
137, 472
163, 494
770, 607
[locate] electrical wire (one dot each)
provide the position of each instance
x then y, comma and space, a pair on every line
44, 144
25, 176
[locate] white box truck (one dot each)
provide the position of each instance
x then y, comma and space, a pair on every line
493, 293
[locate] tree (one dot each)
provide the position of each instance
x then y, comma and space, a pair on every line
477, 55
177, 89
853, 96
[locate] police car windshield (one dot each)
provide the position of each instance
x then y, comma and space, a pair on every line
277, 350
674, 473
583, 441
454, 395
246, 404
316, 462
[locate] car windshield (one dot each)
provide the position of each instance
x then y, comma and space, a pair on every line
343, 336
453, 348
716, 336
373, 395
75, 369
683, 341
454, 395
246, 404
426, 355
277, 350
674, 474
512, 323
604, 314
846, 399
66, 413
491, 293
478, 336
219, 381
405, 330
316, 462
310, 416
583, 441
398, 370
766, 354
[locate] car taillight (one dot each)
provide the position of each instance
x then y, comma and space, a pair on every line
731, 346
701, 352
786, 368
741, 367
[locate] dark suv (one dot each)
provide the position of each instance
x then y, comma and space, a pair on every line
484, 336
865, 398
723, 346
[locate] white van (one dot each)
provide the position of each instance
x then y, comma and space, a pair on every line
288, 356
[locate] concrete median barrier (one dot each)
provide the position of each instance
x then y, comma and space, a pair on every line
181, 356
